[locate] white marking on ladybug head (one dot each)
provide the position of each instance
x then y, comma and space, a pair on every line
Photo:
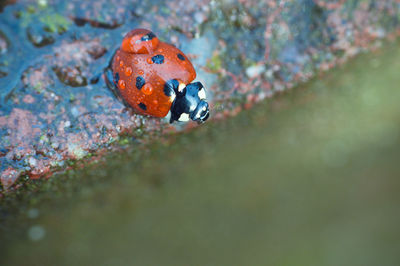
172, 97
181, 87
184, 117
202, 94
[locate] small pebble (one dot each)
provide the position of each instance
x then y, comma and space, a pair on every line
32, 162
199, 17
255, 71
75, 112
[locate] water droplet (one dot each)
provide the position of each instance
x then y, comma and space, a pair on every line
128, 71
121, 63
147, 89
121, 84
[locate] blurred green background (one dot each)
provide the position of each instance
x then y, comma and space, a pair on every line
310, 177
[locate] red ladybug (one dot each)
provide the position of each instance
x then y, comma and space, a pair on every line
154, 77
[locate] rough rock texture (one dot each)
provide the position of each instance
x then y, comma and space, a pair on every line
55, 107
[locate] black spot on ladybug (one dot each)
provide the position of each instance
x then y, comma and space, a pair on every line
170, 87
116, 78
143, 106
148, 37
140, 82
181, 57
158, 59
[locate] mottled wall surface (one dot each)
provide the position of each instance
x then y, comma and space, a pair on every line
55, 107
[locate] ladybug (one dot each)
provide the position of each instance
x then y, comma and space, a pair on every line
154, 78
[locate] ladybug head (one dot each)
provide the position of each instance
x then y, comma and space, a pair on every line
190, 102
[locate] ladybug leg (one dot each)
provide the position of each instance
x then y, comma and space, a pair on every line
111, 80
201, 91
201, 113
95, 78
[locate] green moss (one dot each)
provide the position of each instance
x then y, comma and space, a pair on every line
339, 53
31, 9
248, 63
165, 10
44, 138
72, 98
38, 87
215, 63
51, 21
55, 23
124, 141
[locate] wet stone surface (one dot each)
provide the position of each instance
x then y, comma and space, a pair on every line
55, 107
